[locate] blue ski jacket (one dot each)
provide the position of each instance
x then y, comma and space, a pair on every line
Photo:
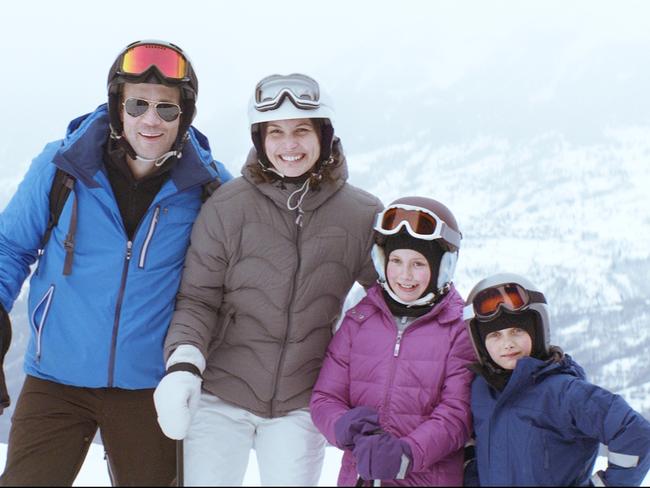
546, 426
104, 324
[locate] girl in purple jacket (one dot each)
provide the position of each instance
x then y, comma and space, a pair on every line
394, 392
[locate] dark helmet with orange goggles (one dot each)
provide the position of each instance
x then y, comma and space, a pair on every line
426, 219
505, 294
153, 61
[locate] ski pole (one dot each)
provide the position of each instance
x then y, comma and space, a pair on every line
180, 475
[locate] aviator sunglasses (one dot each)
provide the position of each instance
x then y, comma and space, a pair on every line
136, 107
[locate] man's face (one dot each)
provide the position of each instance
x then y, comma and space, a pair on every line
149, 135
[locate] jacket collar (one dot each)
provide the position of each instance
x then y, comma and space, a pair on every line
530, 370
446, 312
81, 153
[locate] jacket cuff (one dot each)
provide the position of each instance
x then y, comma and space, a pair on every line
188, 367
186, 353
597, 479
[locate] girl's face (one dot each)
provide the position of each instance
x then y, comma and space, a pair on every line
507, 346
408, 274
292, 146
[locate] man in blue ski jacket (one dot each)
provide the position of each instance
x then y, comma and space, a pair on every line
537, 420
129, 179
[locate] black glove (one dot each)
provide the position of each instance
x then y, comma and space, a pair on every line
5, 341
470, 475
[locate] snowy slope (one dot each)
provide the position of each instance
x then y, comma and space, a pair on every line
94, 473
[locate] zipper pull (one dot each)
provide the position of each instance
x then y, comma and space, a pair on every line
397, 343
129, 245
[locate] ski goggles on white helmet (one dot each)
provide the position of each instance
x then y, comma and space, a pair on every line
300, 89
488, 303
420, 223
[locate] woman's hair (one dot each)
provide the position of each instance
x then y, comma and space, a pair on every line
555, 354
261, 176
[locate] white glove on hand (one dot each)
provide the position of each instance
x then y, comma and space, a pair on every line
177, 396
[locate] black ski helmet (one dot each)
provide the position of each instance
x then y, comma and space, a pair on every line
186, 81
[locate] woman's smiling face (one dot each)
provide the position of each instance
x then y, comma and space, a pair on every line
292, 146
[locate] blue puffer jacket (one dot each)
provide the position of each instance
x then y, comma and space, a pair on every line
546, 426
104, 324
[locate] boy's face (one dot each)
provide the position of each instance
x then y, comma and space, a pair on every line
506, 346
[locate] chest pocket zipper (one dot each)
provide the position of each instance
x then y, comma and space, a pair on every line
38, 323
147, 241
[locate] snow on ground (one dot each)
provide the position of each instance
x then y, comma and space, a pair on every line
93, 472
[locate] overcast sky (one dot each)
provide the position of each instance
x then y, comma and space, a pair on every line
456, 69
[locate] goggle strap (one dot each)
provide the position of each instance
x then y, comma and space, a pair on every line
468, 312
536, 297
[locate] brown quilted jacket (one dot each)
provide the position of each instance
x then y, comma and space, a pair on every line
260, 294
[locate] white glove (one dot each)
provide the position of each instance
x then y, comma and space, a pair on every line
177, 396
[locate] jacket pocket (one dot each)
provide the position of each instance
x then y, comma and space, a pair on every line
166, 237
39, 317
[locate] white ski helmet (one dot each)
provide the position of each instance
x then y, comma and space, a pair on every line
294, 96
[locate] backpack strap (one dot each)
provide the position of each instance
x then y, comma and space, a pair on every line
62, 185
209, 188
68, 244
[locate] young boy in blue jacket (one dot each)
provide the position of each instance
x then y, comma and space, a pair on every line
537, 421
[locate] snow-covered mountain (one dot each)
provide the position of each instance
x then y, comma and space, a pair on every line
573, 218
529, 120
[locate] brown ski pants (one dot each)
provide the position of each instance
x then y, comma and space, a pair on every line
54, 424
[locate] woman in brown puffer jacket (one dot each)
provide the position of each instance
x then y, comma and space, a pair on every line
273, 255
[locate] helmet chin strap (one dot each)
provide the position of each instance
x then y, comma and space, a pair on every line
427, 299
379, 259
159, 161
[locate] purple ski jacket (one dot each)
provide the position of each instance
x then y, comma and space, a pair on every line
416, 380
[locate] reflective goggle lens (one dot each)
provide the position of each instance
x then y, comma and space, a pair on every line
421, 222
169, 62
167, 111
511, 296
302, 90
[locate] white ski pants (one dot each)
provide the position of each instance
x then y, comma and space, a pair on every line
290, 449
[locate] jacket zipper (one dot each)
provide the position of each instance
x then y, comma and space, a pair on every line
393, 366
147, 241
286, 332
120, 294
118, 310
398, 341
